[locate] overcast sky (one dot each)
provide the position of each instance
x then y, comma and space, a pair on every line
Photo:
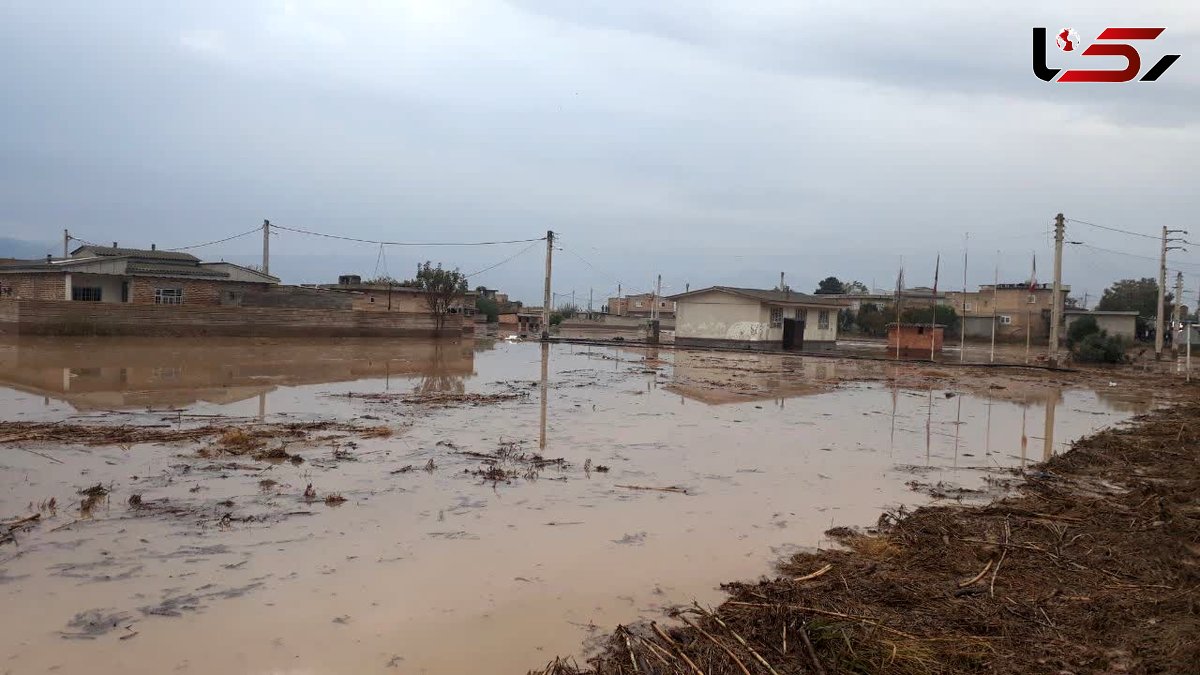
711, 142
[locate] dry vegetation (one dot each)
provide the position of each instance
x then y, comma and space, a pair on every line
1094, 567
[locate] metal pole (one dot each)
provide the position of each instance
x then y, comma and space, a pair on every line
546, 293
266, 264
1056, 300
995, 286
962, 322
1028, 332
1162, 283
933, 309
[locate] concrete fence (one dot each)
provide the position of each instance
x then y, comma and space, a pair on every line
49, 317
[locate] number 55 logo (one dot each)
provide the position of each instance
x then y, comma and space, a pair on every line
1067, 41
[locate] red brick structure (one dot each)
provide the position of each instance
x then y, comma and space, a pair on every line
915, 338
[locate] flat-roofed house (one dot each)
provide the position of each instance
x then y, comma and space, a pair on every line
756, 318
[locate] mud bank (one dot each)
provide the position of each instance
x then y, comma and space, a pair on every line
1091, 568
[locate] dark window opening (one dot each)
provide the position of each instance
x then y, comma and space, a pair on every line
85, 293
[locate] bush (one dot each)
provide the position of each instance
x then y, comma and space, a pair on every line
1099, 348
1081, 328
942, 314
488, 307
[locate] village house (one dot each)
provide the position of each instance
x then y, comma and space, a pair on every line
755, 318
642, 305
374, 296
111, 274
522, 323
1015, 307
1116, 323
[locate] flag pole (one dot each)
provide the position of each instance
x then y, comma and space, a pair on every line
962, 321
933, 308
899, 287
995, 285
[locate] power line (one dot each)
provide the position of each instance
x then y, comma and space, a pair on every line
404, 243
1114, 229
218, 241
1130, 255
508, 259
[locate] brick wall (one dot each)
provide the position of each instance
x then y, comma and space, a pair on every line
37, 317
295, 296
34, 286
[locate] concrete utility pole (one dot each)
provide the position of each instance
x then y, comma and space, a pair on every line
66, 243
657, 294
1056, 300
266, 247
546, 294
1162, 289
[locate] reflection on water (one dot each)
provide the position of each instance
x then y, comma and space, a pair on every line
103, 374
417, 562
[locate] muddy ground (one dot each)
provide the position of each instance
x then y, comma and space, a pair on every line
1093, 567
359, 506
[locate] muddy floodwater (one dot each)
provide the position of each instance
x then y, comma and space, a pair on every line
453, 552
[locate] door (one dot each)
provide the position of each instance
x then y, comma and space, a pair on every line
793, 334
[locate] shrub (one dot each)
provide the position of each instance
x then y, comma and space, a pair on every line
1081, 328
1099, 348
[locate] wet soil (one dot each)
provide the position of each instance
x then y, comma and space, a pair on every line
1094, 567
360, 506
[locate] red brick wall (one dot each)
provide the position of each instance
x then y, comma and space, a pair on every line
915, 338
34, 286
63, 317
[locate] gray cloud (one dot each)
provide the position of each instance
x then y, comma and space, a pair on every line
711, 142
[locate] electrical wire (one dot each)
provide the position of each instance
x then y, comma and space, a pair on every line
403, 243
1113, 229
218, 241
508, 259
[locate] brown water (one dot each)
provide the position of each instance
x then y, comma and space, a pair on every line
442, 572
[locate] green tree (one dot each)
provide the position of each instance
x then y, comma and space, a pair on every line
856, 287
830, 286
1099, 348
872, 320
1140, 295
442, 288
1081, 328
942, 314
488, 307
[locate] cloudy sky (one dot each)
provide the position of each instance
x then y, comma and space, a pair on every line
714, 142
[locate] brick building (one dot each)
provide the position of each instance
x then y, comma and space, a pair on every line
1014, 306
110, 274
642, 305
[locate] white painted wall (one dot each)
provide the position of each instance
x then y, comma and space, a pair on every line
721, 316
110, 286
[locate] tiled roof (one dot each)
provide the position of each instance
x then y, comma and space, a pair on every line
771, 296
109, 251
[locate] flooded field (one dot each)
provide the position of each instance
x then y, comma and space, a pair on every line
471, 506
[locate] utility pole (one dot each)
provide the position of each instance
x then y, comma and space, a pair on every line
66, 242
1056, 300
1178, 306
657, 293
546, 294
589, 300
1162, 283
266, 247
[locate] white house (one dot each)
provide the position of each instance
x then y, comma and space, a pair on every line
755, 318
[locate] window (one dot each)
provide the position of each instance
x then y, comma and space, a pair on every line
1032, 298
823, 319
800, 314
85, 294
776, 317
637, 303
168, 296
1004, 319
966, 306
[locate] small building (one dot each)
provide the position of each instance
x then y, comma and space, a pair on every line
111, 274
376, 296
525, 323
915, 338
1116, 323
642, 306
756, 318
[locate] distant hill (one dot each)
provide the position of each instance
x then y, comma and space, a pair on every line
19, 248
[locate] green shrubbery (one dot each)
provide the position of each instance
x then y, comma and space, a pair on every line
1089, 344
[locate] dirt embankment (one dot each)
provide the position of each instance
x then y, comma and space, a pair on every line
1094, 567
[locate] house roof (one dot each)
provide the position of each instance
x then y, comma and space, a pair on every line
153, 269
110, 251
1101, 312
769, 296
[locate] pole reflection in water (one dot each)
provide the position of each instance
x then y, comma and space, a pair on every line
988, 434
1048, 434
892, 438
542, 387
957, 426
262, 406
1024, 436
929, 428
